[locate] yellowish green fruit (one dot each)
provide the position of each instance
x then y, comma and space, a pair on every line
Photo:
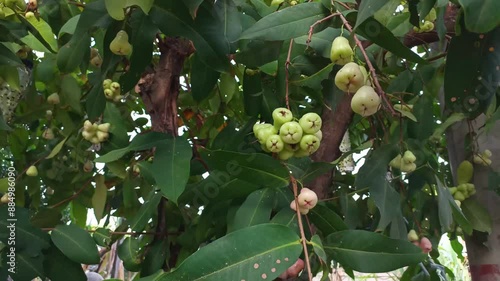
104, 127
465, 171
32, 171
459, 196
412, 235
409, 157
341, 51
285, 154
53, 99
48, 134
365, 102
120, 45
349, 78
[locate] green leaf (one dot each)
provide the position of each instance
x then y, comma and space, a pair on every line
128, 251
116, 8
373, 175
326, 220
71, 54
45, 32
452, 119
477, 214
171, 166
255, 210
145, 5
314, 81
278, 248
203, 79
96, 101
76, 244
193, 6
444, 206
321, 41
481, 16
55, 260
140, 142
371, 252
252, 93
287, 217
7, 57
28, 266
231, 23
102, 237
175, 24
71, 92
254, 168
471, 77
99, 197
57, 148
367, 9
318, 248
288, 23
380, 35
70, 26
138, 223
155, 257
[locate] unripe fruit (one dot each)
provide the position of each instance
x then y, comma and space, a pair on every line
96, 61
365, 102
48, 114
319, 135
452, 190
285, 154
431, 16
291, 132
115, 87
365, 75
470, 187
301, 153
481, 160
465, 171
292, 147
341, 52
29, 15
94, 140
307, 198
264, 132
302, 210
459, 196
310, 123
309, 143
87, 135
409, 157
425, 245
487, 153
281, 115
120, 45
48, 134
5, 198
412, 235
264, 147
88, 166
32, 171
349, 78
396, 162
408, 167
293, 3
108, 93
102, 136
53, 99
106, 83
462, 187
274, 143
104, 127
277, 2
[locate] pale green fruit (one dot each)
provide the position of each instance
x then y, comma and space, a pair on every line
349, 78
412, 236
53, 99
106, 83
470, 187
102, 136
32, 171
257, 126
462, 187
281, 115
108, 93
285, 154
459, 196
88, 135
487, 153
292, 147
115, 87
408, 167
87, 125
274, 143
120, 45
458, 203
291, 132
365, 102
48, 134
409, 157
465, 171
301, 153
365, 75
452, 190
117, 98
431, 16
396, 162
341, 52
264, 147
307, 198
104, 127
309, 143
277, 2
265, 132
310, 123
319, 135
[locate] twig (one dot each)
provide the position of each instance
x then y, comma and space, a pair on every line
287, 64
442, 55
370, 66
301, 227
343, 5
311, 28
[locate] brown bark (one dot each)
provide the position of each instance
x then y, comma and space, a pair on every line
335, 124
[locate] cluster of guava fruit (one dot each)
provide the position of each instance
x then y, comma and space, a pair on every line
289, 138
353, 79
95, 133
405, 162
464, 188
112, 90
306, 200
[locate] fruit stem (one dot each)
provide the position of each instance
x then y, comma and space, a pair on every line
381, 92
311, 28
287, 64
301, 227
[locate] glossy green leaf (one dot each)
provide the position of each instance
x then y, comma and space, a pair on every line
230, 17
70, 26
321, 41
380, 35
255, 210
102, 237
7, 57
367, 9
478, 215
71, 54
318, 248
203, 79
278, 248
116, 8
287, 23
76, 244
371, 252
57, 148
444, 207
145, 213
171, 166
128, 251
481, 16
254, 168
314, 81
155, 257
145, 5
452, 119
28, 266
373, 175
96, 101
326, 220
55, 260
71, 92
252, 93
287, 217
44, 30
99, 197
140, 142
193, 6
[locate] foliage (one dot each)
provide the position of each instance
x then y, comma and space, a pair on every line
219, 206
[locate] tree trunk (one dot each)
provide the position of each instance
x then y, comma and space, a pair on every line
484, 259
